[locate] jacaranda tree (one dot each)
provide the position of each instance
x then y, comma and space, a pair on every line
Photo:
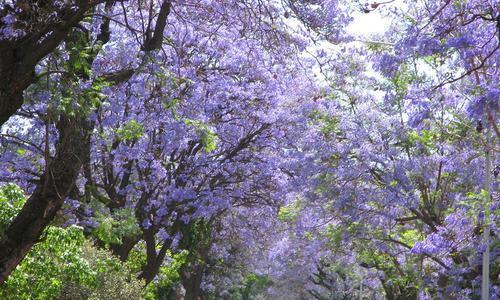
239, 149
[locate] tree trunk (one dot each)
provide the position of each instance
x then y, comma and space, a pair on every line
154, 258
191, 280
122, 250
19, 58
48, 197
11, 86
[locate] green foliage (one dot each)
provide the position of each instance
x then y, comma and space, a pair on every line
113, 279
328, 124
474, 203
104, 231
94, 92
169, 274
73, 99
196, 236
50, 263
82, 101
208, 138
402, 80
168, 277
80, 54
422, 142
410, 236
334, 235
66, 266
112, 228
377, 47
403, 277
326, 180
137, 258
132, 130
456, 131
11, 201
427, 138
251, 286
172, 106
290, 212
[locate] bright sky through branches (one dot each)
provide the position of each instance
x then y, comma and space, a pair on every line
368, 23
281, 150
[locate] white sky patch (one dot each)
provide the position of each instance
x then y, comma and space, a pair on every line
375, 22
365, 27
365, 24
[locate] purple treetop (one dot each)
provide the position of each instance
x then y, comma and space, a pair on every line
304, 162
180, 118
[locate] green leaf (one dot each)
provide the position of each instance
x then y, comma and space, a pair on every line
132, 130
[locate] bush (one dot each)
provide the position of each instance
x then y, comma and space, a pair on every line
64, 264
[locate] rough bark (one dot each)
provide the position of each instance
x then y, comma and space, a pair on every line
18, 58
191, 280
17, 64
154, 258
122, 250
154, 39
40, 209
73, 147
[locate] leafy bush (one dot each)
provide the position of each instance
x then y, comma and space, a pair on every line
64, 264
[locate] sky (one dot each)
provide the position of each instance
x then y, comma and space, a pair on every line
376, 21
368, 23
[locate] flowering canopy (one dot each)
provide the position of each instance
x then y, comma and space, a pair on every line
260, 143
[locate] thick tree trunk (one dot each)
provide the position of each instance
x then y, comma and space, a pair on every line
191, 280
123, 250
149, 272
11, 85
17, 63
48, 197
154, 258
18, 58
